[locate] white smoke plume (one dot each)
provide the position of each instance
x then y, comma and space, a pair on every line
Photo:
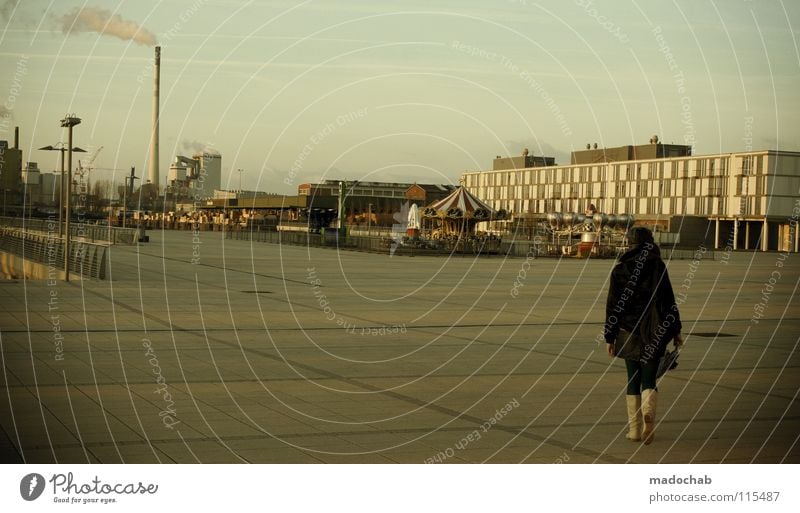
197, 147
6, 8
101, 21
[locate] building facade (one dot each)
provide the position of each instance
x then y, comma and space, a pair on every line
746, 200
198, 176
210, 172
11, 173
381, 199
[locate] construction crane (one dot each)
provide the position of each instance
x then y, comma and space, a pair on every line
85, 168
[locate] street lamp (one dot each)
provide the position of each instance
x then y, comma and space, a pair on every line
60, 147
125, 194
68, 122
369, 220
240, 171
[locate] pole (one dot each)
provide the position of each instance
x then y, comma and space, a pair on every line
68, 122
124, 199
61, 197
66, 213
153, 174
340, 213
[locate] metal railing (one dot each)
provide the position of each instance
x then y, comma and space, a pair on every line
687, 254
375, 244
86, 258
85, 231
518, 248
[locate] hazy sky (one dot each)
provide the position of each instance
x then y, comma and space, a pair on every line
294, 91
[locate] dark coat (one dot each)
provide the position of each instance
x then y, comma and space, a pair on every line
638, 280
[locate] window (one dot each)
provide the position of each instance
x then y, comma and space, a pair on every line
715, 186
747, 165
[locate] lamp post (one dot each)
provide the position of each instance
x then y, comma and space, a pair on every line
60, 147
369, 220
125, 194
240, 171
68, 122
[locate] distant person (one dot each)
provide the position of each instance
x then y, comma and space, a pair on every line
637, 281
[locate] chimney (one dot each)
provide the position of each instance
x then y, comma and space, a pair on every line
153, 172
16, 137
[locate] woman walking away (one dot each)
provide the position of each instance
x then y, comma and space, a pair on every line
641, 319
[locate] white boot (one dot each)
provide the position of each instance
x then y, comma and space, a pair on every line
634, 403
649, 399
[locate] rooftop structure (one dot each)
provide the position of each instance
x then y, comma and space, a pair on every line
653, 150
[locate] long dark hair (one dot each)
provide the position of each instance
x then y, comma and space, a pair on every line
640, 236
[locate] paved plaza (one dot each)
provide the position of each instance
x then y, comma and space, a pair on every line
202, 349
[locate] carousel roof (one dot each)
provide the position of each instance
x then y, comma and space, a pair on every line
462, 204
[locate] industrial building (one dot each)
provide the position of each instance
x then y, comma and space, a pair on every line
11, 173
39, 188
379, 198
742, 200
197, 177
316, 206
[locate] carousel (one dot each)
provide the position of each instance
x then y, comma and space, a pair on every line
455, 219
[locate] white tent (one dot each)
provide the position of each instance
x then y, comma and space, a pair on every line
414, 218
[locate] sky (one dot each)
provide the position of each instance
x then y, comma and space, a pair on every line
296, 91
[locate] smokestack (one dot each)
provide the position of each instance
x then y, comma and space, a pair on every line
16, 137
153, 173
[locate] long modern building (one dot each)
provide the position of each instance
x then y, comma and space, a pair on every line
744, 200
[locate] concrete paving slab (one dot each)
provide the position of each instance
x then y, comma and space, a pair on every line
361, 357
